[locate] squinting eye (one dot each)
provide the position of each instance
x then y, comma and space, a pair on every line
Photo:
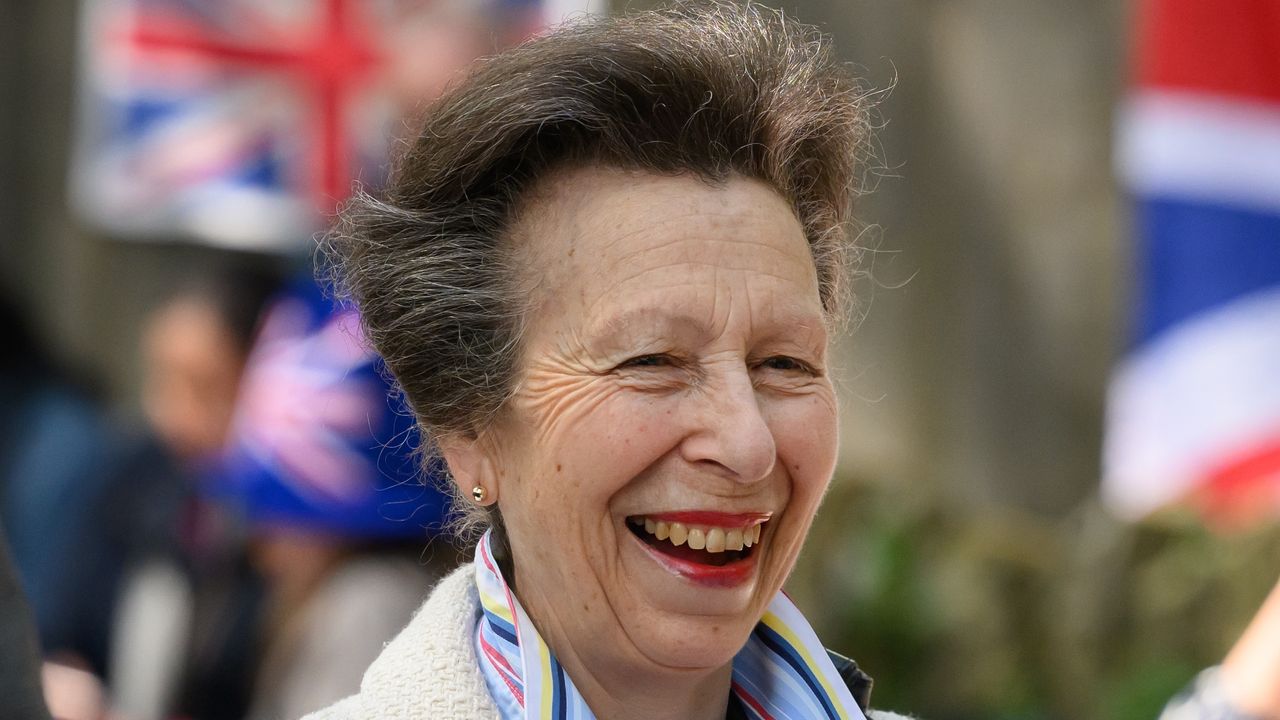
786, 364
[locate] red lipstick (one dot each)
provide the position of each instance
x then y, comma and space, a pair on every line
721, 576
720, 570
713, 518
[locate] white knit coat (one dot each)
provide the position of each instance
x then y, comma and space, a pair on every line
429, 671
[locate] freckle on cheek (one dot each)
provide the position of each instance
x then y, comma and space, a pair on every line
557, 467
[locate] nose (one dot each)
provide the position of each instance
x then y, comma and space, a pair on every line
730, 434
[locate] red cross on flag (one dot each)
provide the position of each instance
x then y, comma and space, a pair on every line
242, 123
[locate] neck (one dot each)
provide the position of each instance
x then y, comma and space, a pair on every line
626, 685
665, 695
614, 678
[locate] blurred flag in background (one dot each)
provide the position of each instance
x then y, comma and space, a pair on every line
319, 441
241, 123
1194, 407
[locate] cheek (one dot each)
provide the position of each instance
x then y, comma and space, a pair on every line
621, 439
807, 434
596, 442
570, 475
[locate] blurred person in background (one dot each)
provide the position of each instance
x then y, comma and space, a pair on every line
194, 350
52, 447
152, 534
300, 549
186, 570
183, 628
323, 461
19, 656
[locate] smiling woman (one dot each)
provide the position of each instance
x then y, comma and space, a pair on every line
604, 274
672, 376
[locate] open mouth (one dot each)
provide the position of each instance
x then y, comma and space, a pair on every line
718, 541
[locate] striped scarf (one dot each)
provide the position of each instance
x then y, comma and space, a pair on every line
782, 672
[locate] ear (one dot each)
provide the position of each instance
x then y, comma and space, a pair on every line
471, 462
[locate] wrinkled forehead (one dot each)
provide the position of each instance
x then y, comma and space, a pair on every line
591, 238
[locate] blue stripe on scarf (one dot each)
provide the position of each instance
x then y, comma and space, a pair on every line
502, 629
557, 697
783, 649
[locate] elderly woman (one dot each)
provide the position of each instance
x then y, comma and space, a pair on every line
604, 274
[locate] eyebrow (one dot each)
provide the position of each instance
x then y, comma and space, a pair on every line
610, 328
684, 324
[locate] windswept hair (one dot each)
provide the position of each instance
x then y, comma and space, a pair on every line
712, 89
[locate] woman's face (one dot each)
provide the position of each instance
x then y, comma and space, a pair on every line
192, 374
674, 385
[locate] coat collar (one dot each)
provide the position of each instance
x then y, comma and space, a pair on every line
430, 670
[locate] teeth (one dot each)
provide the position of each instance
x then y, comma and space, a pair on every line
679, 533
711, 539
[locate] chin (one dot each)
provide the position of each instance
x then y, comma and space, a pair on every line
697, 644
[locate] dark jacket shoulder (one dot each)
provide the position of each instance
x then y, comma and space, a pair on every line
858, 682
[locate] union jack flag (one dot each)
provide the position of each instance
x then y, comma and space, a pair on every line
317, 440
304, 401
242, 123
1194, 409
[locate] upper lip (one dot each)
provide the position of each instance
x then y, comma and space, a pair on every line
713, 518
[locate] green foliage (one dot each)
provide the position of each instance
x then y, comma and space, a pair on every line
1142, 690
985, 612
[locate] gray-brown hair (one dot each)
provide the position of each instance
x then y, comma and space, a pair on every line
713, 89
